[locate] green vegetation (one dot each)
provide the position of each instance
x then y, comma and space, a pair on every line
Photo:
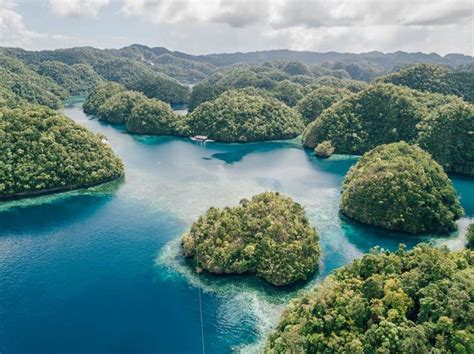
182, 69
153, 117
281, 85
141, 115
385, 113
358, 123
239, 117
139, 77
269, 236
99, 95
288, 92
19, 85
434, 78
43, 151
470, 236
295, 68
331, 81
400, 187
118, 108
417, 301
325, 149
448, 134
77, 79
318, 100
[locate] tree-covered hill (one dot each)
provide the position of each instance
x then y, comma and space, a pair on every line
236, 116
286, 81
384, 60
385, 113
286, 87
186, 68
417, 301
140, 115
268, 235
20, 84
77, 70
400, 187
154, 117
118, 108
317, 100
139, 77
435, 78
99, 95
43, 151
77, 79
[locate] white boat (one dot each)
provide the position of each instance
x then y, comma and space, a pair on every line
202, 139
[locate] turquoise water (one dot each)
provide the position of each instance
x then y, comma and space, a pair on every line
99, 270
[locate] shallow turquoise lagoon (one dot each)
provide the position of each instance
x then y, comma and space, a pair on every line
99, 270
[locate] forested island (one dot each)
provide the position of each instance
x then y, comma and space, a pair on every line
43, 151
400, 187
268, 235
237, 116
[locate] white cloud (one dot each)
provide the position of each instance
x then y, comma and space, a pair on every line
308, 13
13, 31
342, 25
77, 8
233, 13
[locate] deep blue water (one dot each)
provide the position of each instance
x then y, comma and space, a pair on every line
99, 270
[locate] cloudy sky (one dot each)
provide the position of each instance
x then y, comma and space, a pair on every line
209, 26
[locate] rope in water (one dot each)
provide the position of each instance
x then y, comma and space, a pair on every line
200, 312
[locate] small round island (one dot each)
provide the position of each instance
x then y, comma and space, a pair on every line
268, 235
241, 117
400, 187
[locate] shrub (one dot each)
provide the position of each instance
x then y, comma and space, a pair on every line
325, 149
470, 236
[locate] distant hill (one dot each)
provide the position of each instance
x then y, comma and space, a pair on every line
191, 69
386, 61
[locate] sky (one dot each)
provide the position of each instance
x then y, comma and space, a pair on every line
216, 26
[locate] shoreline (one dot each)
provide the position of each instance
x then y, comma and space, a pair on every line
39, 193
